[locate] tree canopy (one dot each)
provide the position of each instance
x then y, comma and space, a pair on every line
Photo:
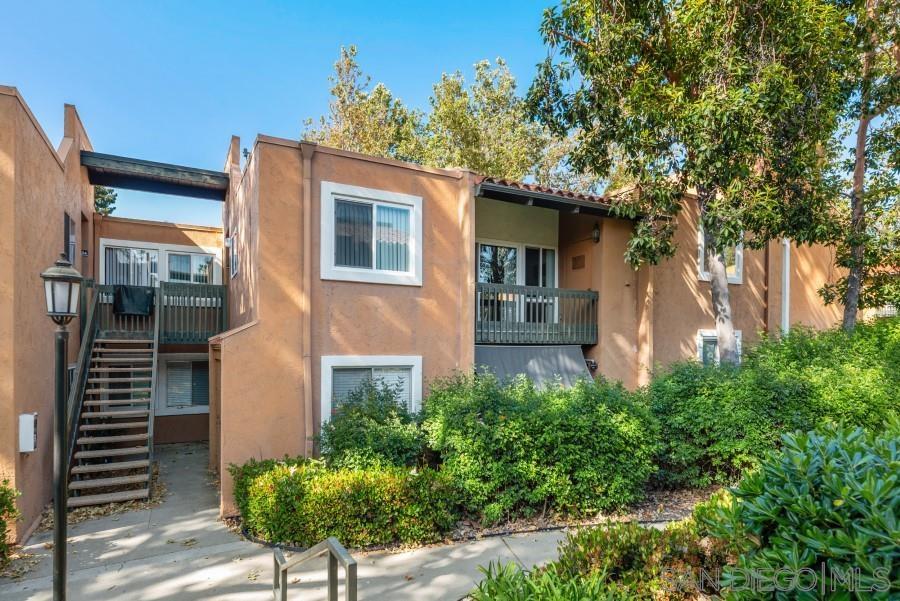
726, 103
104, 200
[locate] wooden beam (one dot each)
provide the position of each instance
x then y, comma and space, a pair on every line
162, 178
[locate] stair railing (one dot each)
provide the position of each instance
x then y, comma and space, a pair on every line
82, 369
153, 379
336, 554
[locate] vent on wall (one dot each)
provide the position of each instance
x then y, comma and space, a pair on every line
578, 262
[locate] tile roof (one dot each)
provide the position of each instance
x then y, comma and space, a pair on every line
525, 187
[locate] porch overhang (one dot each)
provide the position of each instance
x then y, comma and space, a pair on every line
559, 200
162, 178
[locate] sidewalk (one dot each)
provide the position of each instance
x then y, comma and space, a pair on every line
179, 550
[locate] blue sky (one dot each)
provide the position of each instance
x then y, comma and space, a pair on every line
172, 81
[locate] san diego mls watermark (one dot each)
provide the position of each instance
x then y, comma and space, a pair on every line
824, 579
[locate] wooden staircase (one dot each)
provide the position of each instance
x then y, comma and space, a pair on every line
113, 454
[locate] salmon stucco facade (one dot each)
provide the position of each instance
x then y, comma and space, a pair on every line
330, 268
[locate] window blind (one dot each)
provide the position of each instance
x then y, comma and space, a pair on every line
352, 234
200, 383
344, 381
398, 379
130, 266
179, 268
178, 384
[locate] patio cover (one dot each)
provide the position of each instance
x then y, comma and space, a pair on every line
542, 364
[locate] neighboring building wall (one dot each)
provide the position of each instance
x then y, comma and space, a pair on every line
300, 317
38, 185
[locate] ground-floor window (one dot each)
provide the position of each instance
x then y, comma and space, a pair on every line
183, 385
343, 374
708, 346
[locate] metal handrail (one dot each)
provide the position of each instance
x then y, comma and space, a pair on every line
76, 390
336, 554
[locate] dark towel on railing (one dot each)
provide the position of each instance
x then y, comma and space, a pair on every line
132, 300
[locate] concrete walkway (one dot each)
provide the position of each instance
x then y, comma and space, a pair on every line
179, 550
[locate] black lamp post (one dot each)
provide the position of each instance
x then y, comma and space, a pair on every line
62, 285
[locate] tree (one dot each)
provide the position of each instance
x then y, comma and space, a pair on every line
104, 200
733, 101
869, 244
367, 121
484, 126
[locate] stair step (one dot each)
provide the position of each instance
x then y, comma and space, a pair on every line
122, 341
115, 390
116, 414
111, 380
116, 402
103, 370
104, 482
111, 439
113, 426
116, 351
110, 467
111, 452
114, 497
122, 360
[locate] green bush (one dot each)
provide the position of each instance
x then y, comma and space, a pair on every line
8, 514
514, 449
507, 582
827, 503
303, 502
718, 422
371, 428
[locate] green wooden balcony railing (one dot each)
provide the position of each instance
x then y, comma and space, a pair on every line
509, 314
187, 313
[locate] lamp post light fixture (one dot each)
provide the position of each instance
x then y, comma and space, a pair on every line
62, 286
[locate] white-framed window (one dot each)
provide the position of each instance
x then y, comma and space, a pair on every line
342, 374
502, 262
708, 346
69, 239
183, 384
370, 235
734, 260
139, 263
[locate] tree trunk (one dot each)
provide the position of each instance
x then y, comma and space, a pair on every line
856, 238
721, 301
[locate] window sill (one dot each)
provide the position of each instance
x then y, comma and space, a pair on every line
371, 277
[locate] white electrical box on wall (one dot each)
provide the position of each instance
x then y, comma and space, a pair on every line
27, 432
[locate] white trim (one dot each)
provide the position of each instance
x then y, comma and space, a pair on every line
329, 362
160, 407
234, 262
703, 275
785, 286
163, 251
701, 334
329, 271
520, 257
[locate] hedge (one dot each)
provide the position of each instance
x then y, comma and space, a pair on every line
303, 502
515, 449
8, 514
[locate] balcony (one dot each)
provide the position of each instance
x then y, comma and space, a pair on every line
188, 313
511, 314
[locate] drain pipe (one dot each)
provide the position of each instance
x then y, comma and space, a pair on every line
785, 286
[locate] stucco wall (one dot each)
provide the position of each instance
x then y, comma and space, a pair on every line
160, 232
811, 268
509, 222
46, 184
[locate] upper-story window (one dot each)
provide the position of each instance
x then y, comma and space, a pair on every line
512, 263
193, 268
733, 256
69, 237
131, 266
370, 235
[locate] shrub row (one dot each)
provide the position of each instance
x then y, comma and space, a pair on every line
8, 514
820, 512
515, 449
303, 502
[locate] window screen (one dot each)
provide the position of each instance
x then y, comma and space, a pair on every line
392, 239
346, 380
708, 350
352, 234
187, 383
